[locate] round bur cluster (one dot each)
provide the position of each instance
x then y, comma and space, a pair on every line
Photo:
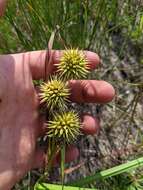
55, 94
64, 126
73, 65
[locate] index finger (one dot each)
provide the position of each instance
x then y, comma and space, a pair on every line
36, 60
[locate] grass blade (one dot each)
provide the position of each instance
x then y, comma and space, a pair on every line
45, 186
109, 172
62, 165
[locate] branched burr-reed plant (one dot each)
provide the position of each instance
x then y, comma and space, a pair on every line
63, 126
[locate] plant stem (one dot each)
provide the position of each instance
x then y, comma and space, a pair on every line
62, 164
109, 172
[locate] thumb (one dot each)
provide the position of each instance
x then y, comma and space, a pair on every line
2, 7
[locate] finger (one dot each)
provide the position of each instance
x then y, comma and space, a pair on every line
41, 128
91, 91
2, 6
36, 59
90, 125
72, 153
39, 159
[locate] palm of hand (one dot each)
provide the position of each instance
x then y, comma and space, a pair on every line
19, 118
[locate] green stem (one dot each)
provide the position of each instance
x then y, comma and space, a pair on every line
46, 186
109, 172
51, 152
62, 164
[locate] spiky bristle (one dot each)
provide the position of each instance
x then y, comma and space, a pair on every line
64, 126
54, 94
73, 65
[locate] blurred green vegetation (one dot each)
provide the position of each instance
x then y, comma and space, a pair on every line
87, 24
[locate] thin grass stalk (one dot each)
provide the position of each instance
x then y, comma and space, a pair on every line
109, 172
45, 186
62, 165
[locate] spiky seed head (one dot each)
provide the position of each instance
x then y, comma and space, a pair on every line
55, 94
65, 126
73, 65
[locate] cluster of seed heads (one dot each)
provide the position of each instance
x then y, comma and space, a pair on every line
65, 124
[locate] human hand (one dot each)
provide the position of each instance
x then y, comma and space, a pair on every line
20, 123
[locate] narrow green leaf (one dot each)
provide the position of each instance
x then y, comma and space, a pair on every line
62, 165
46, 186
109, 172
